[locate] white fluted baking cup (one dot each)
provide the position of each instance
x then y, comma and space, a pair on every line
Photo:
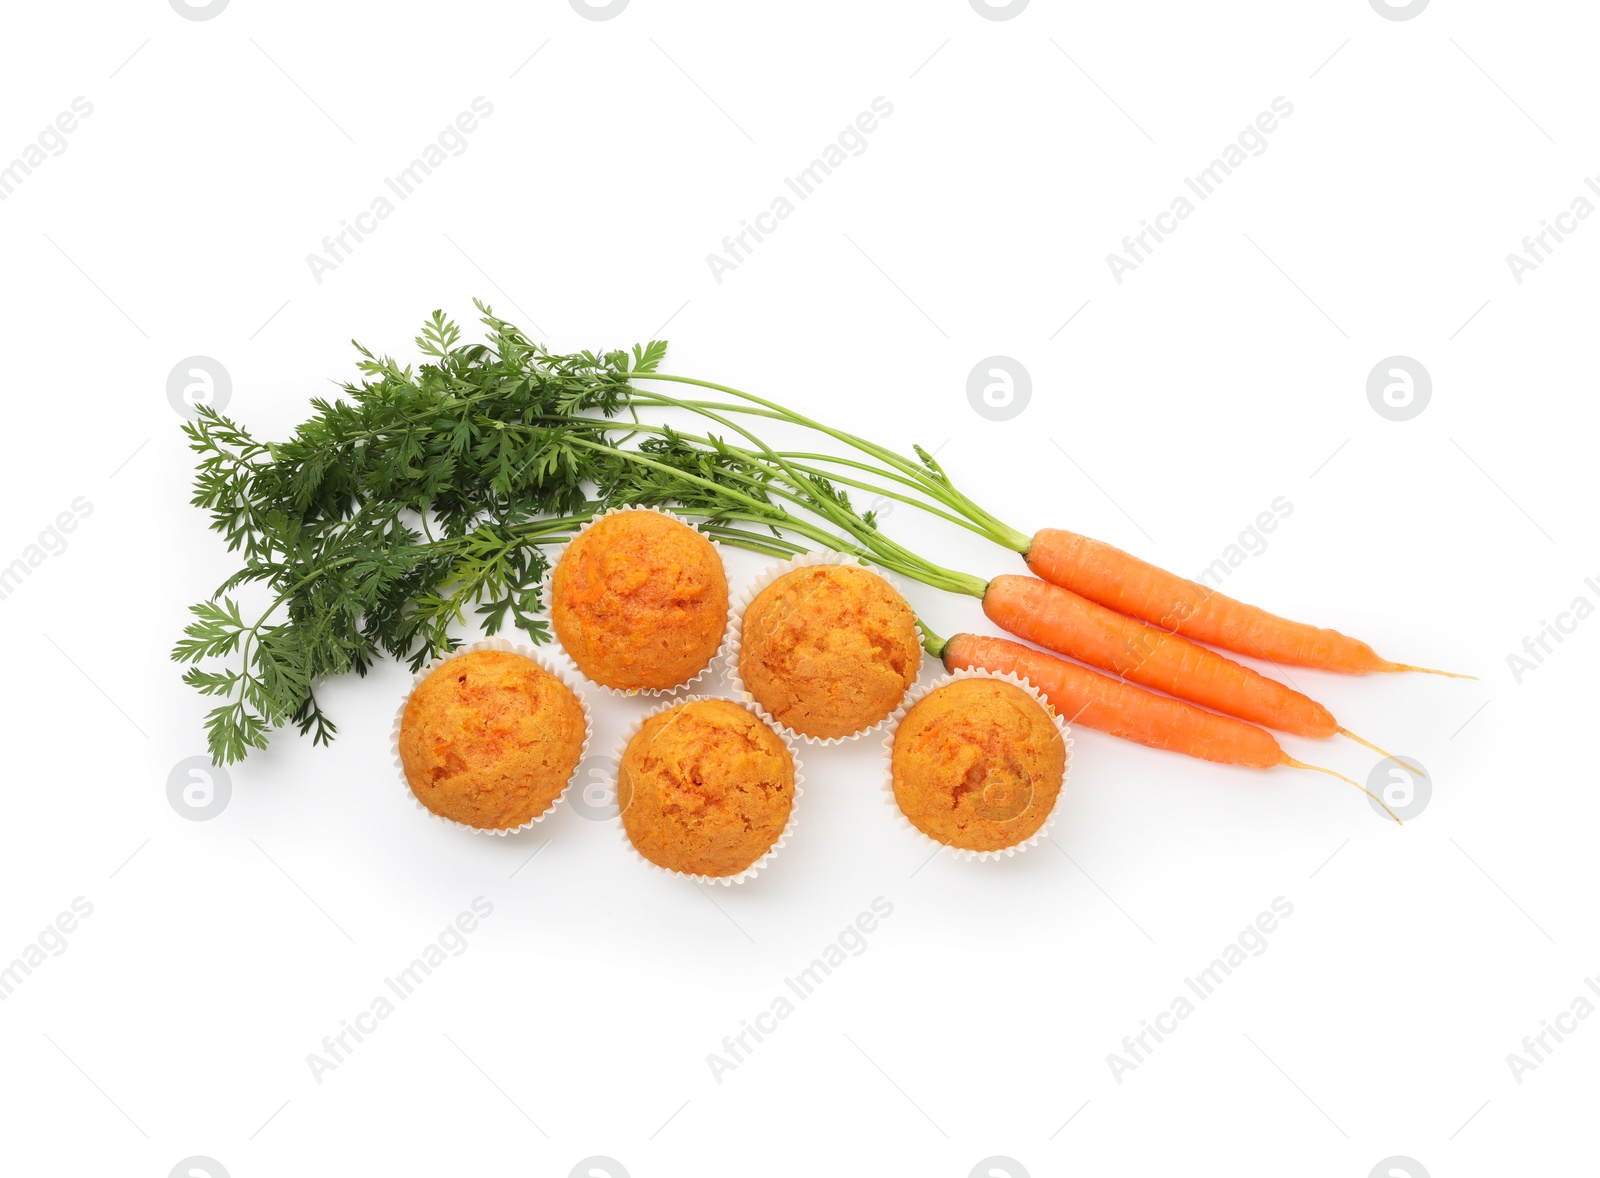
567, 679
917, 695
736, 636
546, 606
794, 802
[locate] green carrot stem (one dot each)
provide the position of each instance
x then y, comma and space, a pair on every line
935, 484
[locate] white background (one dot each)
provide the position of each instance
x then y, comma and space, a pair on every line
1226, 371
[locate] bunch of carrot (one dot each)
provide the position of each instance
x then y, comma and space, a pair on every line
1072, 607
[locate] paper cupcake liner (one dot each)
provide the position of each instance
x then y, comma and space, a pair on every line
546, 608
736, 634
915, 696
794, 803
527, 652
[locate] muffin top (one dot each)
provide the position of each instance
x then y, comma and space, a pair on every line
491, 739
977, 764
829, 650
639, 601
705, 788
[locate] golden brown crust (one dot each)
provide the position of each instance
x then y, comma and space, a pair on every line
705, 788
977, 764
491, 739
640, 601
829, 650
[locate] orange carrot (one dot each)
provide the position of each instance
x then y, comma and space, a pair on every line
1060, 620
1098, 701
1120, 581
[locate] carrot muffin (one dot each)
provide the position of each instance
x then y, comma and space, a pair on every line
705, 788
829, 649
640, 601
977, 764
491, 739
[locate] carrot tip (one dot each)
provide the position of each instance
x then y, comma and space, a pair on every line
1425, 671
1294, 764
1381, 751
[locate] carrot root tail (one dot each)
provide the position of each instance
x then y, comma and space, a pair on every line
1425, 670
1380, 751
1294, 764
